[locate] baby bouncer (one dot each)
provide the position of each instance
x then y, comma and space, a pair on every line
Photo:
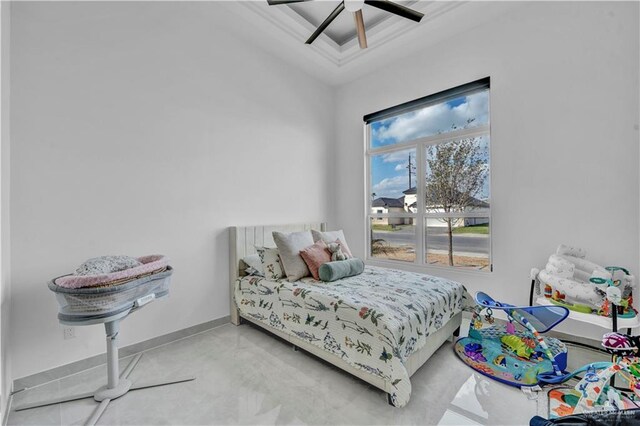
570, 280
594, 392
108, 298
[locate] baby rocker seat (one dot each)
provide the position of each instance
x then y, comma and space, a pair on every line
514, 357
582, 286
594, 392
107, 299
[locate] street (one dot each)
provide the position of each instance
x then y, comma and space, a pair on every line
438, 240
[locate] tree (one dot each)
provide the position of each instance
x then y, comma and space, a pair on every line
456, 173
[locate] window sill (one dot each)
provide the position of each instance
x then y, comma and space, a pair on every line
430, 269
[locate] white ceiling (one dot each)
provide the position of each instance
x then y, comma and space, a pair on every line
335, 57
342, 29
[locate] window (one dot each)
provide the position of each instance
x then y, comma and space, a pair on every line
428, 189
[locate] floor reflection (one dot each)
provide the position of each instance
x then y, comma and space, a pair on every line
245, 376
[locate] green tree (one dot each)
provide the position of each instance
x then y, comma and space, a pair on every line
456, 173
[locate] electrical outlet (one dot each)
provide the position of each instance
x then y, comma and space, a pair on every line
69, 333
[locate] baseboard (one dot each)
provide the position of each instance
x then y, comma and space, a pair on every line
97, 360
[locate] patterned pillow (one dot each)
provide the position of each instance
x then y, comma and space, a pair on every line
315, 256
271, 264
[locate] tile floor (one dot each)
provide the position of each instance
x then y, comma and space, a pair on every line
246, 376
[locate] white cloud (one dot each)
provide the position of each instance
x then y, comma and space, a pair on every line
434, 119
391, 187
400, 167
400, 156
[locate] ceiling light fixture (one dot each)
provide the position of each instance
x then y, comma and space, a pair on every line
355, 7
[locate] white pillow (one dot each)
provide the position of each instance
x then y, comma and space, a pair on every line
289, 246
254, 265
271, 264
331, 237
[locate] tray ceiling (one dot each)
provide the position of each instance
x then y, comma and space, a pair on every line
335, 56
342, 29
338, 44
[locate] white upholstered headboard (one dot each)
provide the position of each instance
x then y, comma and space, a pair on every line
242, 242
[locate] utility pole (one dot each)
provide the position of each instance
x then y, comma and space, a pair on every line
410, 167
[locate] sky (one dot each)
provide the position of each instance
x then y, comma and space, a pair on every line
389, 173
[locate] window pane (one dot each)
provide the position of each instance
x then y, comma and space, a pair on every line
460, 113
457, 176
392, 175
393, 238
460, 242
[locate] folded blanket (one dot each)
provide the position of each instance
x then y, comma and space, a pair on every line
106, 265
332, 271
149, 265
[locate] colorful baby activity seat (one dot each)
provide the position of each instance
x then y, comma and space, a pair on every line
569, 280
594, 391
517, 356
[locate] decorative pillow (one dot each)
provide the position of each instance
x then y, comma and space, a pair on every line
289, 246
332, 236
332, 271
315, 256
271, 264
254, 265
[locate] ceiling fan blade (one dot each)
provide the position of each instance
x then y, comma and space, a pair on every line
277, 2
326, 23
396, 9
362, 35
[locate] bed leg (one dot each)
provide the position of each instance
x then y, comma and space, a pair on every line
389, 400
295, 348
235, 316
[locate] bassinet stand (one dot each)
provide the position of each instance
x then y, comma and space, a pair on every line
117, 385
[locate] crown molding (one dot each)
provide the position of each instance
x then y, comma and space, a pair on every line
282, 32
388, 30
287, 21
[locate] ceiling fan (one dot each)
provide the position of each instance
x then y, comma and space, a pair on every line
355, 6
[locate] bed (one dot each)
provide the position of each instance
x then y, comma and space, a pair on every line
380, 326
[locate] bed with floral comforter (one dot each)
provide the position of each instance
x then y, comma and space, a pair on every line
374, 321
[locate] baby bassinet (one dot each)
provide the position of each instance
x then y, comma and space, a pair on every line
108, 298
89, 303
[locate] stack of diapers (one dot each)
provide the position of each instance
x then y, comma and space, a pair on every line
110, 285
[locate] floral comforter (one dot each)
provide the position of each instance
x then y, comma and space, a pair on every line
374, 320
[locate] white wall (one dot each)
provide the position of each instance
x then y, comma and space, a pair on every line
151, 127
564, 140
5, 281
143, 128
